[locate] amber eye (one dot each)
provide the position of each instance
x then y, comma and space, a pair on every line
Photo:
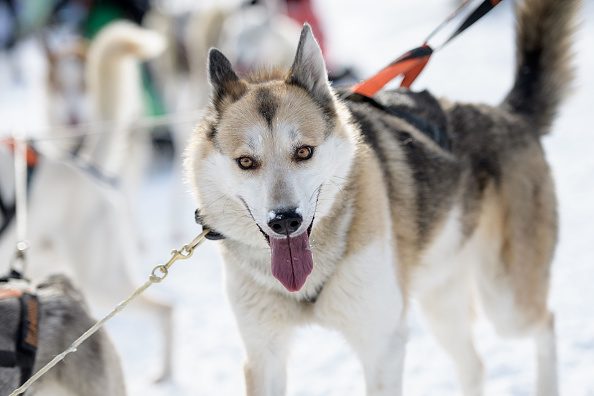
246, 163
304, 153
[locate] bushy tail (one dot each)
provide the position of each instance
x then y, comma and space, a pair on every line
114, 85
544, 69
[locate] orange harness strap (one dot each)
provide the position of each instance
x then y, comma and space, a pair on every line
412, 63
6, 293
32, 156
409, 65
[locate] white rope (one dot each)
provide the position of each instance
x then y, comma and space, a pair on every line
157, 275
73, 347
20, 181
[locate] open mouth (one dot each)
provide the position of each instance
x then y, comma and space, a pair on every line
291, 258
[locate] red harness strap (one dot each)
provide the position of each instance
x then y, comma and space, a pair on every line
6, 293
32, 155
412, 63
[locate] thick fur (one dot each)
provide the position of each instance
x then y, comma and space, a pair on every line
93, 370
544, 67
394, 214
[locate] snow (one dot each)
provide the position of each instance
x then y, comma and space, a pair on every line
475, 67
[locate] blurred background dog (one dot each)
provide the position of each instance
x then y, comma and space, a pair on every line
59, 315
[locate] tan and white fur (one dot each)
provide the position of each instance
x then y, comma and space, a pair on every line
392, 214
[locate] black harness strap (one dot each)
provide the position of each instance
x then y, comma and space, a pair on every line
12, 274
26, 341
8, 212
429, 129
478, 13
8, 359
26, 347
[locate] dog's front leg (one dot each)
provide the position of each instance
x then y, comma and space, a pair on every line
265, 322
364, 302
382, 357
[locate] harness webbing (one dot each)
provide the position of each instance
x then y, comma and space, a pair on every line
26, 339
8, 212
412, 63
431, 130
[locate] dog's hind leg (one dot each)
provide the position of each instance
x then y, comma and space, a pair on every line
546, 350
448, 311
518, 237
513, 317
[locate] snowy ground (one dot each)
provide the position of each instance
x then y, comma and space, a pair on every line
476, 67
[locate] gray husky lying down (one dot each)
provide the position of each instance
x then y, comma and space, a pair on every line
94, 370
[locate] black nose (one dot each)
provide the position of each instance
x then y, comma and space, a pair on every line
285, 221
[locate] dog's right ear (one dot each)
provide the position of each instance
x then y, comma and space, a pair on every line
309, 70
225, 83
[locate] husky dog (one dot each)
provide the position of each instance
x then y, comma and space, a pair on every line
94, 370
249, 34
80, 225
336, 211
88, 230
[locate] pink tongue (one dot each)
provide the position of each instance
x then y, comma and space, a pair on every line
292, 261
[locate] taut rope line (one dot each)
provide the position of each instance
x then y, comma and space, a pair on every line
157, 275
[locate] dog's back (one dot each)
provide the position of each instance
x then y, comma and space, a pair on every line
483, 202
478, 151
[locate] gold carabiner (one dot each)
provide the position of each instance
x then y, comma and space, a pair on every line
160, 271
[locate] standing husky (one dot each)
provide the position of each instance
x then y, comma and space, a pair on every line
335, 211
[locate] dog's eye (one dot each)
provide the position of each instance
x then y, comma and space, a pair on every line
304, 153
247, 163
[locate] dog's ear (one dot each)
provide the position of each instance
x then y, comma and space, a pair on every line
225, 83
309, 70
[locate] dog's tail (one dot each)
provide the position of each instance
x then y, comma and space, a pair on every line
114, 84
109, 57
544, 69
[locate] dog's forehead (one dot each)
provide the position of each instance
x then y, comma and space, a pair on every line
269, 114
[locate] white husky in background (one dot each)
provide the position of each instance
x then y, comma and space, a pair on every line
335, 210
80, 221
116, 100
250, 35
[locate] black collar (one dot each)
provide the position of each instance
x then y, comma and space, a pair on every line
212, 234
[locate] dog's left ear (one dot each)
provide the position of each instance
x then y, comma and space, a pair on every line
309, 70
225, 83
